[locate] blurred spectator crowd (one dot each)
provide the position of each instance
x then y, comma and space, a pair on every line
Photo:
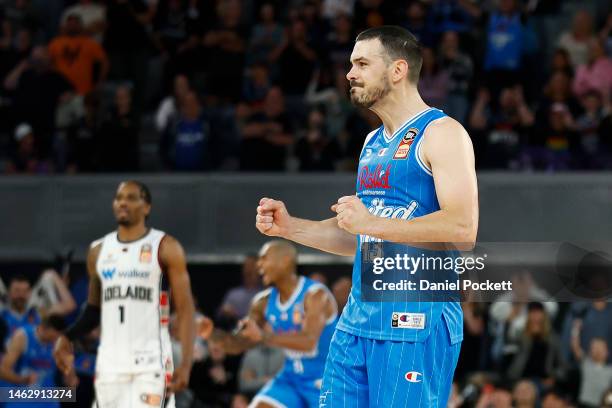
515, 354
259, 85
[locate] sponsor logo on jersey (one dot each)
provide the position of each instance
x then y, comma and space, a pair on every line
145, 253
404, 147
377, 178
110, 273
297, 315
382, 152
142, 293
378, 208
151, 399
400, 320
413, 376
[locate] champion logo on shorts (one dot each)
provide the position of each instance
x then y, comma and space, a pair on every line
401, 320
413, 376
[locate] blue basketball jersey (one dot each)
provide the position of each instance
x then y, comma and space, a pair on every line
288, 317
37, 358
14, 321
393, 182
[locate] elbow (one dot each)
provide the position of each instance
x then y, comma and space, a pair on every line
465, 235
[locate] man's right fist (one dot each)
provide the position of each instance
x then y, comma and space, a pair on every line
272, 218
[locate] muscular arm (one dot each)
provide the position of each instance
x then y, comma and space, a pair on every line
66, 302
324, 235
94, 293
172, 258
14, 349
235, 343
447, 149
317, 309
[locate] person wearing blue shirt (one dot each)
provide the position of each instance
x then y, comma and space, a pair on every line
416, 183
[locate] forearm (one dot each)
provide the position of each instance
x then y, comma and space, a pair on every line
294, 341
231, 344
8, 375
187, 337
87, 321
324, 235
439, 226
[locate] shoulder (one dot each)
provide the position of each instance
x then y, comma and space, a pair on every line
170, 249
94, 249
445, 130
262, 297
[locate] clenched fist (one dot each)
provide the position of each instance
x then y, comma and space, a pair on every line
272, 218
352, 215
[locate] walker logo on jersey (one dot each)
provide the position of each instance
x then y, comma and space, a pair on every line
413, 376
145, 253
400, 320
404, 147
377, 178
130, 292
151, 399
108, 274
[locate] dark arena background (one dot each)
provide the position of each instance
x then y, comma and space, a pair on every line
217, 103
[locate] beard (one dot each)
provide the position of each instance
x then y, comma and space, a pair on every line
369, 97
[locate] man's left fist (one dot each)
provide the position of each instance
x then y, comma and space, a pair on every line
352, 215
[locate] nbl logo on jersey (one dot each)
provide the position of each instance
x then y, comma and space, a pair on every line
404, 147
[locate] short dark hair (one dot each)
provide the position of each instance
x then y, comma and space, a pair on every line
19, 278
53, 321
145, 193
398, 43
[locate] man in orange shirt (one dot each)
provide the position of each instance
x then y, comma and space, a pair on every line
77, 56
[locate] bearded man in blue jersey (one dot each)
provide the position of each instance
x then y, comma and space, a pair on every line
416, 183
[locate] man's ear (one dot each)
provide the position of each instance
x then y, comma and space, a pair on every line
400, 70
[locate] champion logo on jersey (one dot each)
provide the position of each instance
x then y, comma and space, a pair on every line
413, 376
404, 147
382, 152
108, 273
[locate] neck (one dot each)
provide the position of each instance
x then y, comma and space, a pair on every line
131, 232
286, 286
397, 107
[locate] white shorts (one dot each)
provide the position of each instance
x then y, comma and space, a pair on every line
143, 390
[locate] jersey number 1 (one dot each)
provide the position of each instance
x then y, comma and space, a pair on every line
121, 313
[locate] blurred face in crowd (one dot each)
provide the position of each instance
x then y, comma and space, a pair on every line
501, 399
507, 6
507, 99
275, 262
415, 11
429, 60
250, 276
536, 323
598, 350
582, 24
40, 58
73, 26
558, 86
123, 100
239, 401
450, 43
591, 102
267, 13
129, 205
524, 394
596, 50
316, 119
298, 30
26, 144
343, 25
191, 106
274, 103
23, 42
369, 76
217, 353
560, 60
181, 86
552, 400
259, 73
19, 294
